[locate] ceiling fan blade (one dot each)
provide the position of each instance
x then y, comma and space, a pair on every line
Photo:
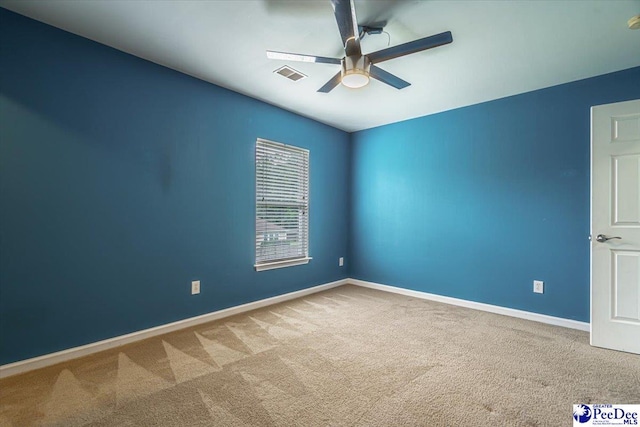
345, 13
411, 47
328, 86
388, 78
301, 58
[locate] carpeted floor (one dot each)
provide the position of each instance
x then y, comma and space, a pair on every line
349, 356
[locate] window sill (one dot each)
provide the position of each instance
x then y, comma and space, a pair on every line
282, 264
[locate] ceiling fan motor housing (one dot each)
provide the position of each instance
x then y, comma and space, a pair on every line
355, 71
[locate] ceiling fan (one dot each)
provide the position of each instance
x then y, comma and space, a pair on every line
356, 68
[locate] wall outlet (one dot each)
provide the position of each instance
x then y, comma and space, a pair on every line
341, 261
195, 287
538, 286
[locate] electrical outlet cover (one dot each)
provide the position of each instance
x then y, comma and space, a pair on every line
538, 286
195, 287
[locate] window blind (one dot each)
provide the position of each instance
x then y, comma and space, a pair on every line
282, 204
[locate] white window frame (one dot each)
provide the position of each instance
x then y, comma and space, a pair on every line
264, 178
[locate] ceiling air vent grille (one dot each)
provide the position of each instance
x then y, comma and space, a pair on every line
290, 73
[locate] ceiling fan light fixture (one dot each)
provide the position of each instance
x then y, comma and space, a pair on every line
355, 79
355, 71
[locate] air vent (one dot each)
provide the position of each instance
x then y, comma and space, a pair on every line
290, 73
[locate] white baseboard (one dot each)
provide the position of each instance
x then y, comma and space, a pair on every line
543, 318
84, 350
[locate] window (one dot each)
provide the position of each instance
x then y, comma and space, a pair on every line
282, 205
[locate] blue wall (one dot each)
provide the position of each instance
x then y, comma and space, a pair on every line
121, 181
476, 203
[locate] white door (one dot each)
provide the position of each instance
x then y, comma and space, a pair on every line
615, 226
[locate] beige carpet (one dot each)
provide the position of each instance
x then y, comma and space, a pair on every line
349, 357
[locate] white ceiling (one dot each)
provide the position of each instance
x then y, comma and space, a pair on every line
500, 48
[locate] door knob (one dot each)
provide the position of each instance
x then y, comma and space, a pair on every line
602, 238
